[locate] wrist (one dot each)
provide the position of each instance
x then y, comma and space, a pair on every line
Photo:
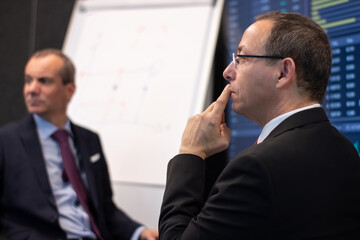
193, 151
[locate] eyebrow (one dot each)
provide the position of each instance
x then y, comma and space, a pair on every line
240, 48
40, 78
47, 78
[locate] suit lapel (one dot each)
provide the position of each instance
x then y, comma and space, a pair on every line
30, 140
299, 119
81, 143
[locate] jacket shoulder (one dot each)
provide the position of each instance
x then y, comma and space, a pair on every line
84, 132
14, 126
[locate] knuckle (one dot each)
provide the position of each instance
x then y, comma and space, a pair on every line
220, 101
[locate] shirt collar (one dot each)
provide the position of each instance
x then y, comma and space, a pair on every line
276, 121
45, 129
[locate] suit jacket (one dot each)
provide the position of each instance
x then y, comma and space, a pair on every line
301, 182
28, 209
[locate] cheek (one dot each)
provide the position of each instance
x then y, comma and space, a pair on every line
250, 85
242, 84
61, 98
25, 90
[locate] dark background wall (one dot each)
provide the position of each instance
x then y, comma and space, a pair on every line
26, 26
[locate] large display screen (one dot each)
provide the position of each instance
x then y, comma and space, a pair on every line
341, 21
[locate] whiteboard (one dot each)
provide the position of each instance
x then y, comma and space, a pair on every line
141, 71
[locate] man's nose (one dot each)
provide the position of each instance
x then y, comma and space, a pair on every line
229, 73
33, 86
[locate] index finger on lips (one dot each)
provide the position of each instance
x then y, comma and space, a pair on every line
221, 102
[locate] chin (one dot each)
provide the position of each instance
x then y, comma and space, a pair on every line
235, 107
33, 110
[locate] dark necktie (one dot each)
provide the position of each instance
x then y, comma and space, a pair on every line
72, 174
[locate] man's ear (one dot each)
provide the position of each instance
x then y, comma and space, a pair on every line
286, 72
70, 90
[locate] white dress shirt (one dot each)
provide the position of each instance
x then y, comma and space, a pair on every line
276, 121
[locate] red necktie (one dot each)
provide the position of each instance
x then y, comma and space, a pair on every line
72, 174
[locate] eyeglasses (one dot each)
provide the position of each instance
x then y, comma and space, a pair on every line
253, 56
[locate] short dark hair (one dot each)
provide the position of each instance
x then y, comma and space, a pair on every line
303, 40
67, 72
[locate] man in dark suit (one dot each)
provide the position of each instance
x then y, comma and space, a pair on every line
38, 197
302, 178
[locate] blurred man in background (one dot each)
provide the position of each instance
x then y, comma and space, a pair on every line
54, 177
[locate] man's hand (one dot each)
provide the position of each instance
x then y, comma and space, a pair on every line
206, 134
149, 234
